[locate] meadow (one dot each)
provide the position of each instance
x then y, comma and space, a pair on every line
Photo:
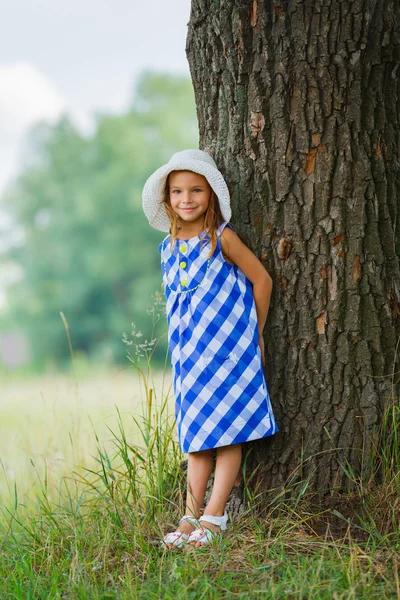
49, 424
92, 478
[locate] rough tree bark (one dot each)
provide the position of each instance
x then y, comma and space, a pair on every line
299, 102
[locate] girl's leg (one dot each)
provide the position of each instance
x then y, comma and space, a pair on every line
226, 471
200, 465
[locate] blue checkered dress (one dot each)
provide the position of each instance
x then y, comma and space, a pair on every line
221, 396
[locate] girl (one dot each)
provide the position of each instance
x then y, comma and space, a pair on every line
217, 299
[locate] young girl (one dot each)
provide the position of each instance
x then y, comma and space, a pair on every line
217, 299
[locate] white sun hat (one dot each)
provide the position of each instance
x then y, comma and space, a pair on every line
186, 160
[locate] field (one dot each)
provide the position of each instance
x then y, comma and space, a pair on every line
49, 424
92, 478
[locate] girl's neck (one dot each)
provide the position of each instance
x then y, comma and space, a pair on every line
187, 233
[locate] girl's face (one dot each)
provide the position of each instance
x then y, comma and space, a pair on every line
189, 195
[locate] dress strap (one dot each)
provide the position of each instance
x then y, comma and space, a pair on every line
222, 227
161, 246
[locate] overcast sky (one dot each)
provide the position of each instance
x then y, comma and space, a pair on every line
80, 56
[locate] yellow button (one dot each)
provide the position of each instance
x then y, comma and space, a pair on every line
183, 283
182, 248
182, 265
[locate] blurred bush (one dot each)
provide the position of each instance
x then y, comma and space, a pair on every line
78, 233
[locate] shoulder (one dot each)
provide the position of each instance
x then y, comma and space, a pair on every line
236, 251
229, 241
230, 238
223, 226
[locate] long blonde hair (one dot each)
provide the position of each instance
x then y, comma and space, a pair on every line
212, 218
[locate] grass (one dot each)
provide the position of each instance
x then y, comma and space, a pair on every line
97, 534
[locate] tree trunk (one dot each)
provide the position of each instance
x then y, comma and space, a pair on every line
299, 103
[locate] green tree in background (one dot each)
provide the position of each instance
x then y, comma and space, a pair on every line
87, 248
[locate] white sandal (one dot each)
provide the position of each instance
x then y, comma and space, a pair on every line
178, 538
205, 536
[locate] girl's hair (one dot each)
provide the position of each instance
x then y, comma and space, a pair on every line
212, 218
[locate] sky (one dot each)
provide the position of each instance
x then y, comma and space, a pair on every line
77, 57
80, 57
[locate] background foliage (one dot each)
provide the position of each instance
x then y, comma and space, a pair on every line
86, 247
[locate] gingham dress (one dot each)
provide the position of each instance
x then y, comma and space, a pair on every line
221, 396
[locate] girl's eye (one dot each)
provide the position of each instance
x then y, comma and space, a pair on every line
179, 191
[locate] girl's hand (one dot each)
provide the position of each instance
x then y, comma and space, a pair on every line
262, 348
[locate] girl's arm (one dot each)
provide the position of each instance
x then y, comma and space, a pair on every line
238, 253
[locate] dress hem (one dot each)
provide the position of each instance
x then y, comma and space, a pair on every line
239, 439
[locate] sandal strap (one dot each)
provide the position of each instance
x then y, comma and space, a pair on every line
192, 520
205, 536
176, 538
176, 534
219, 521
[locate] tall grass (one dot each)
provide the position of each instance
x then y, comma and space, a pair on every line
100, 537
